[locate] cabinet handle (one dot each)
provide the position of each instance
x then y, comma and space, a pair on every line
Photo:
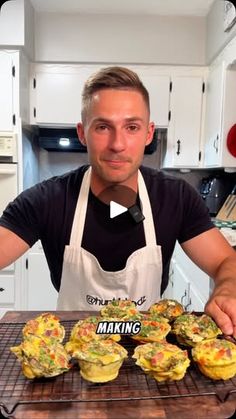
2, 289
183, 296
178, 147
215, 144
189, 304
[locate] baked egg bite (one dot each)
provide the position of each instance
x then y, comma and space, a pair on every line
170, 309
47, 325
85, 331
191, 329
39, 359
121, 309
162, 361
100, 360
152, 330
216, 358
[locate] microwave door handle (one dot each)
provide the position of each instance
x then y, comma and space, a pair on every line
7, 172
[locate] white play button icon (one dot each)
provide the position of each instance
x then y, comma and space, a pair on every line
116, 209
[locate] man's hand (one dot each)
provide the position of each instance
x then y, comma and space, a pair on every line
222, 307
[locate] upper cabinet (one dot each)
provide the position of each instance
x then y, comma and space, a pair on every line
56, 93
220, 114
214, 109
184, 139
158, 87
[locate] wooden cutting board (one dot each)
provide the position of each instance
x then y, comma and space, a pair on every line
228, 210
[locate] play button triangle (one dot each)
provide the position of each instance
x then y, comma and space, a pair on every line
116, 209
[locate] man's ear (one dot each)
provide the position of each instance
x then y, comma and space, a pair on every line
80, 133
151, 129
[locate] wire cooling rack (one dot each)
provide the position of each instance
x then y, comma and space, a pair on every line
131, 384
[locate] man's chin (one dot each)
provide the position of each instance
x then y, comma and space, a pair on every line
115, 176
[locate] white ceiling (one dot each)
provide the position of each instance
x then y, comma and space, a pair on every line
147, 7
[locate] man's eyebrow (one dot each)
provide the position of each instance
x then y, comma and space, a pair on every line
130, 119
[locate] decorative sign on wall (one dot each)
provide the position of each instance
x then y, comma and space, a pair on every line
229, 15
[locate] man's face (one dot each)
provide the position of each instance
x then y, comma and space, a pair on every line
116, 131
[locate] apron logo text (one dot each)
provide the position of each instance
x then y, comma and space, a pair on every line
121, 328
100, 302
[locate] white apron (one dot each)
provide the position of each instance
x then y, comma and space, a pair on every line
86, 286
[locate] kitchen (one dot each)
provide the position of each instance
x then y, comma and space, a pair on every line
54, 47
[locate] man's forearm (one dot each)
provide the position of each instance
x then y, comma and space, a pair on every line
225, 276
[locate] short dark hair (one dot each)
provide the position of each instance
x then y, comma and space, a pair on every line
116, 77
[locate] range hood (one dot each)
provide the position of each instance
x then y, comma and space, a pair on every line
66, 140
60, 139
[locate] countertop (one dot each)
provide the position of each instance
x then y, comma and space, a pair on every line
183, 407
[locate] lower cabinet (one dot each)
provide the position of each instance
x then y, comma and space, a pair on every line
7, 289
195, 301
188, 284
41, 295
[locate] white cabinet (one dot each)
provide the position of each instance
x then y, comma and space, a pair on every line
41, 295
158, 87
188, 284
181, 286
56, 94
6, 89
199, 279
183, 148
214, 106
195, 301
220, 114
6, 289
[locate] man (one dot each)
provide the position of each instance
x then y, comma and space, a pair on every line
94, 258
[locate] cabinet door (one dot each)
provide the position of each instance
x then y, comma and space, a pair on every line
7, 289
199, 279
184, 133
168, 293
214, 108
58, 96
195, 301
41, 293
181, 286
6, 89
159, 94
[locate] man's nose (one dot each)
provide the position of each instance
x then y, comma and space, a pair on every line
117, 140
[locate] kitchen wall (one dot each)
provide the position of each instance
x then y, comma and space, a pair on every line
120, 39
216, 38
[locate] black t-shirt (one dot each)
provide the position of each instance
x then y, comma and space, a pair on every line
46, 212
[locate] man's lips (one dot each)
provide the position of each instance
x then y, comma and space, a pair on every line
115, 163
116, 160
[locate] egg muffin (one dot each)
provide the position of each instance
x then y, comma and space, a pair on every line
216, 358
162, 361
191, 329
39, 359
121, 309
47, 325
170, 309
84, 331
100, 360
152, 330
